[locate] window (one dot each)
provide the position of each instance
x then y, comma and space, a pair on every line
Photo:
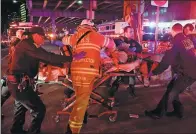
107, 28
162, 11
145, 14
113, 27
165, 10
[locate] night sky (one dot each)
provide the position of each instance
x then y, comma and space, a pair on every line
7, 7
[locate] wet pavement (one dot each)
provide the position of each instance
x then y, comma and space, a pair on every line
147, 98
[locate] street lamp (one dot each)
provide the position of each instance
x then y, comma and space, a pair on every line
79, 1
14, 1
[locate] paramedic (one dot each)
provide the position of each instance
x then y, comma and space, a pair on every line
84, 72
182, 58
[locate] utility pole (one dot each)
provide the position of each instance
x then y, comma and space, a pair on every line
139, 29
90, 5
156, 31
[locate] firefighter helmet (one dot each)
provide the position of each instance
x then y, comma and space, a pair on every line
87, 22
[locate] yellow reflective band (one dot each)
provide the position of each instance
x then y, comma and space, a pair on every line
89, 45
79, 85
86, 69
73, 126
85, 47
75, 123
82, 83
84, 72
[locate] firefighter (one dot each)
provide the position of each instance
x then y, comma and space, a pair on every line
5, 94
182, 58
84, 72
23, 68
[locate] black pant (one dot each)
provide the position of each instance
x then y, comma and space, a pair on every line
26, 100
176, 86
5, 94
120, 79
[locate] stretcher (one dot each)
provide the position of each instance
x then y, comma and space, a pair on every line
108, 71
95, 98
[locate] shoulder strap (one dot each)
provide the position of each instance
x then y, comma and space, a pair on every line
82, 37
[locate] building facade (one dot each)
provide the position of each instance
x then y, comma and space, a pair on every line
176, 10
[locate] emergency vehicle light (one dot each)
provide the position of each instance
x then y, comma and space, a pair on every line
13, 25
30, 24
51, 35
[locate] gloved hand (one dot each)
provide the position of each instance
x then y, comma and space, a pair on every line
79, 56
133, 49
150, 74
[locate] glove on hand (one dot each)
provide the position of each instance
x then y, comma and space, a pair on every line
79, 56
150, 74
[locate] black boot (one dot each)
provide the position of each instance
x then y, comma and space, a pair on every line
154, 114
131, 90
68, 130
113, 102
113, 90
18, 131
170, 114
178, 110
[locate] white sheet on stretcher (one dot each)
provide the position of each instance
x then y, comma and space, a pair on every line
127, 67
55, 72
122, 57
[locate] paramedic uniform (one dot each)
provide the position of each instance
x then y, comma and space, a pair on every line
84, 72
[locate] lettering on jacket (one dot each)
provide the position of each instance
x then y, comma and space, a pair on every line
84, 40
89, 60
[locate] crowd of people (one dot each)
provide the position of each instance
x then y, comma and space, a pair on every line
26, 54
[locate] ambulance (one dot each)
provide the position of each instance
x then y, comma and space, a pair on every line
15, 26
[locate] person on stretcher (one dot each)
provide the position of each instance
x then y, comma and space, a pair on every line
127, 44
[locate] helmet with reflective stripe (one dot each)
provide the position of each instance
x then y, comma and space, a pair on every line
87, 22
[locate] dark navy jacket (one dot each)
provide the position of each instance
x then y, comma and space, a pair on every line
182, 57
26, 58
134, 45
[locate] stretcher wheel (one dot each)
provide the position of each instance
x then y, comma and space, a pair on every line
112, 118
57, 118
111, 103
